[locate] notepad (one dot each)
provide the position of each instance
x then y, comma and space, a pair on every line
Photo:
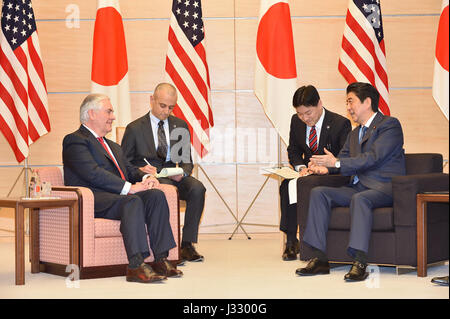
170, 171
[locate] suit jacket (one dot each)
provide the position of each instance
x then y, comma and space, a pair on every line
333, 134
379, 157
86, 163
138, 143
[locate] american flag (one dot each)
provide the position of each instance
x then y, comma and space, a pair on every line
23, 93
187, 70
363, 54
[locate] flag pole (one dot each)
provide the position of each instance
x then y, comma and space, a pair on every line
23, 170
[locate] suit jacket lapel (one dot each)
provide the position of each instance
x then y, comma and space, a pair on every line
172, 126
102, 150
326, 124
146, 126
94, 141
302, 141
378, 118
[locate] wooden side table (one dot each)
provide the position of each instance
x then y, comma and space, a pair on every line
422, 200
35, 205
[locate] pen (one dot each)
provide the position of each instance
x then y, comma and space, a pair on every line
145, 160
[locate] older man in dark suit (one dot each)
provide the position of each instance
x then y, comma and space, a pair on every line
158, 140
372, 155
313, 129
121, 191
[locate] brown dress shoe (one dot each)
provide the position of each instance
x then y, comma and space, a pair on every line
165, 268
144, 274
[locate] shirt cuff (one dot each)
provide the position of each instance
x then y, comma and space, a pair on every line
299, 167
126, 188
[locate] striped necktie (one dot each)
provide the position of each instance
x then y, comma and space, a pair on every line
100, 139
313, 139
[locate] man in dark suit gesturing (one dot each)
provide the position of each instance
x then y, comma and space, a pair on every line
158, 140
372, 155
121, 191
313, 129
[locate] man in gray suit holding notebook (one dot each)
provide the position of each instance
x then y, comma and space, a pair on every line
160, 140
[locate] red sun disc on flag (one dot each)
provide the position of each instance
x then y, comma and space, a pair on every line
442, 42
109, 61
275, 45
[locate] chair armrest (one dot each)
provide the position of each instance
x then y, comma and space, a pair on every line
86, 214
405, 188
306, 184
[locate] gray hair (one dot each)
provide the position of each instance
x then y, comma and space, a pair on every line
91, 102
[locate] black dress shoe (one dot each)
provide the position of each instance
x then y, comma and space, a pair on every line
165, 268
291, 251
440, 280
314, 267
357, 272
190, 254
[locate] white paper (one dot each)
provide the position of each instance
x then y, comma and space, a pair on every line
292, 188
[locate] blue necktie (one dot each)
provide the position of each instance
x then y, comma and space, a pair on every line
362, 132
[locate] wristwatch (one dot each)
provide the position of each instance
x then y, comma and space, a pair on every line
337, 164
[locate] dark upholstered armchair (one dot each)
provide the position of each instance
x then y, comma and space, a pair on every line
394, 239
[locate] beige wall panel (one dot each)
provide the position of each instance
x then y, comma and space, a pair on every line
216, 216
67, 55
9, 175
250, 8
410, 61
317, 61
265, 209
222, 134
219, 46
424, 125
147, 49
147, 58
256, 140
309, 58
62, 9
64, 119
6, 154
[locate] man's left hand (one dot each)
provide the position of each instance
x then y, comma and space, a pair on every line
151, 182
327, 160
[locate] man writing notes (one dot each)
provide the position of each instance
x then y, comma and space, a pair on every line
372, 155
313, 129
121, 191
159, 140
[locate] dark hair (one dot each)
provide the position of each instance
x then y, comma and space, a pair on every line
306, 96
363, 91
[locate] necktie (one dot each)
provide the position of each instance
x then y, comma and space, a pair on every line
362, 132
100, 139
313, 140
162, 142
